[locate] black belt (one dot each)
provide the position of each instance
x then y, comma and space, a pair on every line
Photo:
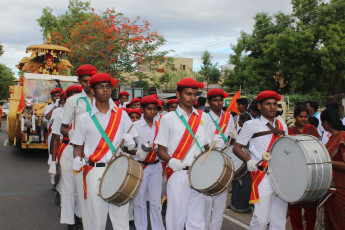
147, 163
262, 169
186, 168
65, 142
96, 164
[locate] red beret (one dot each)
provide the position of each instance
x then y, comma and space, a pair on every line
85, 70
54, 91
134, 100
74, 89
268, 94
171, 101
63, 94
160, 103
216, 92
190, 83
124, 93
149, 100
130, 111
102, 77
195, 103
116, 103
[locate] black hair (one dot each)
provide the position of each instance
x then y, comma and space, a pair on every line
245, 117
332, 117
210, 97
242, 101
299, 109
180, 88
201, 101
254, 106
313, 121
332, 104
314, 105
144, 105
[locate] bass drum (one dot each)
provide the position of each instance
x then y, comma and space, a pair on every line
300, 168
240, 167
214, 175
121, 180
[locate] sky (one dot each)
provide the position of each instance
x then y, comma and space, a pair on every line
189, 26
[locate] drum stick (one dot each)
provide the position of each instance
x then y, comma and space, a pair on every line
231, 135
208, 153
265, 157
122, 141
75, 112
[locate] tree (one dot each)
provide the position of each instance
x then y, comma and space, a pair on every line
78, 12
110, 41
6, 78
209, 71
302, 52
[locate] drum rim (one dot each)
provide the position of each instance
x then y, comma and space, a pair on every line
124, 183
309, 181
243, 166
220, 177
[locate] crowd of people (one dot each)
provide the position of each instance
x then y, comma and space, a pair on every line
86, 127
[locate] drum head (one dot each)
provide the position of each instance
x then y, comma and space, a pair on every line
205, 175
114, 177
237, 161
289, 171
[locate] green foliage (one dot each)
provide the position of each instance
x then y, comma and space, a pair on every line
78, 11
6, 78
299, 53
209, 71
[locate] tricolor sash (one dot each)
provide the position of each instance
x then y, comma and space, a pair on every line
257, 176
186, 140
102, 147
151, 157
63, 145
224, 120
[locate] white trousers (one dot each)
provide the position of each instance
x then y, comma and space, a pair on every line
99, 209
214, 209
152, 183
69, 201
82, 202
270, 209
185, 205
50, 159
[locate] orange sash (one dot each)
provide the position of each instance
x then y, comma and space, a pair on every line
223, 120
257, 176
151, 157
102, 147
186, 140
62, 146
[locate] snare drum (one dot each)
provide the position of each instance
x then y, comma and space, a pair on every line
240, 167
300, 168
214, 175
121, 180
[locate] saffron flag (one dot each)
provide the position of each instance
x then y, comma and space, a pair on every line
21, 105
233, 104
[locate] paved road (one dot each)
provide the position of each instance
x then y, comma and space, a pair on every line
26, 198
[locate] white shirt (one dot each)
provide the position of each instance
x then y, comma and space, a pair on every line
322, 132
47, 109
87, 133
57, 121
71, 103
260, 144
213, 127
171, 130
146, 133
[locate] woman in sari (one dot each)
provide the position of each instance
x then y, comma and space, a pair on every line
295, 210
335, 205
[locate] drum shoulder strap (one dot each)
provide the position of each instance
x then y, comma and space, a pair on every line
263, 133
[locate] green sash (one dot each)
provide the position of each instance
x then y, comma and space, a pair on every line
102, 132
218, 128
189, 130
